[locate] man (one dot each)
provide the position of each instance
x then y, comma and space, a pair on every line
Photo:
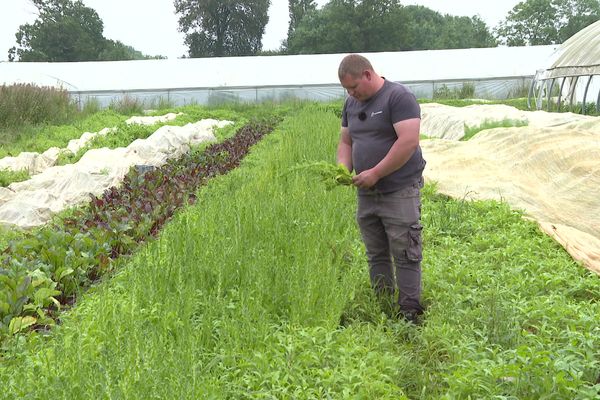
380, 141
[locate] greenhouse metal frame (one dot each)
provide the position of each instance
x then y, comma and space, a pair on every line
573, 76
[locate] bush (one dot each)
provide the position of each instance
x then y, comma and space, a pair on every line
26, 104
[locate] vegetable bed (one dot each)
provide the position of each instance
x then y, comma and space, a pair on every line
260, 290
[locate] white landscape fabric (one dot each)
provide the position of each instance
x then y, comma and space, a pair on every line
32, 202
34, 163
150, 120
447, 122
549, 169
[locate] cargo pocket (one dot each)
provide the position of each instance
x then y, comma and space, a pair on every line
414, 252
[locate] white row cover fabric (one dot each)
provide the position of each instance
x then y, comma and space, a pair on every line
32, 203
551, 171
266, 71
447, 122
30, 161
75, 145
150, 120
34, 163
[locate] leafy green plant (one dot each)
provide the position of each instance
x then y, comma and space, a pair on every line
331, 175
8, 176
25, 293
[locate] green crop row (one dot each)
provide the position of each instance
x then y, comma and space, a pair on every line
260, 290
47, 268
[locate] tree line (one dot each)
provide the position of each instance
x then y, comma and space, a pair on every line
67, 30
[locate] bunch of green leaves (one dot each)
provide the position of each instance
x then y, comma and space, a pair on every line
331, 175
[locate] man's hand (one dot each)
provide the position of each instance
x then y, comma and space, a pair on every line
366, 179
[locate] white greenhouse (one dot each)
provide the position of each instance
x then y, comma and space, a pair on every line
492, 73
573, 76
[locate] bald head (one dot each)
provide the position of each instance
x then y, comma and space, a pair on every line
354, 65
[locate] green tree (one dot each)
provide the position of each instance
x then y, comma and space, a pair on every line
68, 31
114, 50
425, 28
465, 32
64, 31
539, 22
349, 26
298, 9
576, 15
384, 25
222, 27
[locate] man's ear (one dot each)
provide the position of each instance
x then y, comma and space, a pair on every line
367, 74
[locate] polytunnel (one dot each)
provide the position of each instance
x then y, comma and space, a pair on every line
572, 78
490, 73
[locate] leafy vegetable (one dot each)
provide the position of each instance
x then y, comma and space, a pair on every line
331, 175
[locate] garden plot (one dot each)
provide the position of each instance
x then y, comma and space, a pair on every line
31, 203
34, 163
551, 172
447, 122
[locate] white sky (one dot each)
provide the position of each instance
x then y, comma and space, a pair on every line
150, 26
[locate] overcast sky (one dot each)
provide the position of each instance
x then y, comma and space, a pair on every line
150, 26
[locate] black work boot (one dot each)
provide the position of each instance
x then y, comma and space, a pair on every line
412, 315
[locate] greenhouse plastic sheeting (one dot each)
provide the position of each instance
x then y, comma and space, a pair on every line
551, 171
275, 76
578, 56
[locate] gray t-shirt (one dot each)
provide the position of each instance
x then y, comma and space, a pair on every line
372, 132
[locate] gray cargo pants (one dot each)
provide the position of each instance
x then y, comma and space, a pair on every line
390, 228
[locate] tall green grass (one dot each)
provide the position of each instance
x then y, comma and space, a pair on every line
26, 104
261, 291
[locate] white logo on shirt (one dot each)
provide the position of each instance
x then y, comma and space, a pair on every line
376, 113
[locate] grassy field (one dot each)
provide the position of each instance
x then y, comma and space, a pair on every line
261, 291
